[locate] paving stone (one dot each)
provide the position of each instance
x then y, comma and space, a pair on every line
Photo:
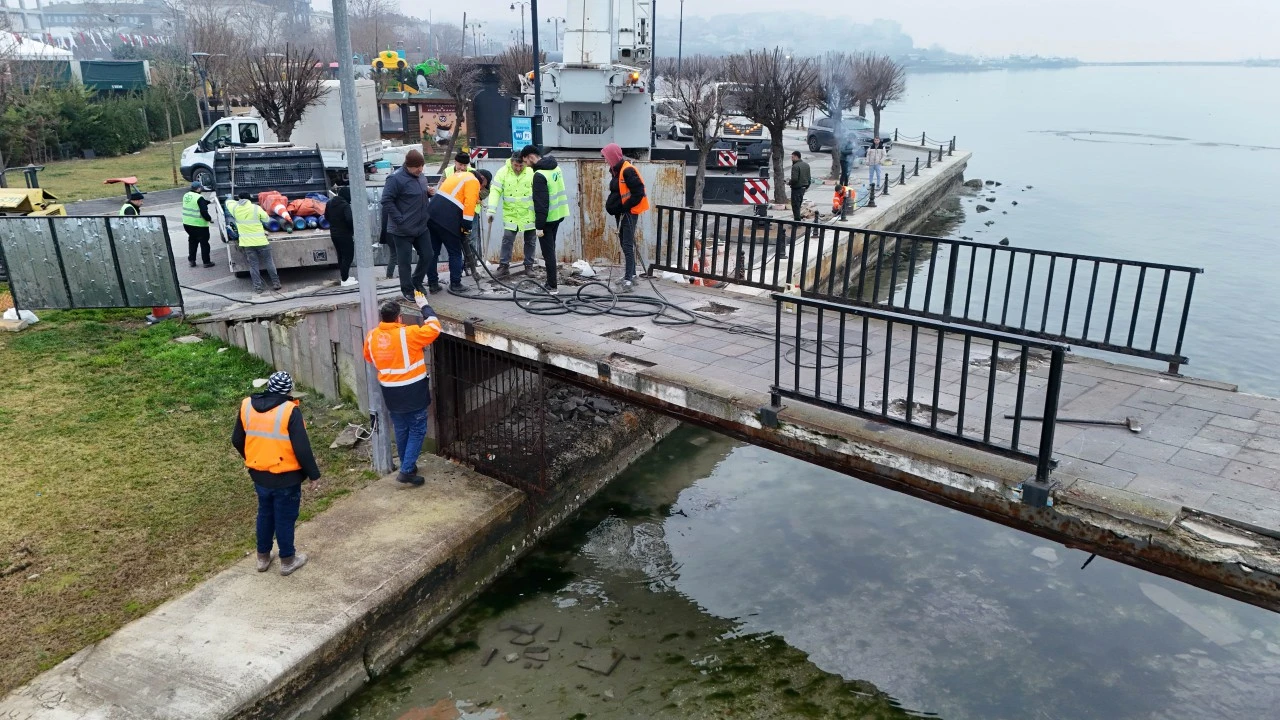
1148, 449
1176, 425
1219, 406
1094, 447
1235, 423
601, 660
1176, 490
1251, 474
1201, 462
1249, 514
1093, 472
1265, 444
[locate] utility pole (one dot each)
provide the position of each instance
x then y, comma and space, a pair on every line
537, 74
523, 4
556, 20
680, 42
464, 33
380, 441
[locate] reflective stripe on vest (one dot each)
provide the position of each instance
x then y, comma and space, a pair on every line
191, 211
451, 191
266, 445
248, 224
626, 191
407, 373
558, 199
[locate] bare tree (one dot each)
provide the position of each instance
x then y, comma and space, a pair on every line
171, 80
372, 25
281, 86
460, 80
696, 100
882, 80
837, 91
773, 89
515, 62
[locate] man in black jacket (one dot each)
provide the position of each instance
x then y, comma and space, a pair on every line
342, 232
272, 438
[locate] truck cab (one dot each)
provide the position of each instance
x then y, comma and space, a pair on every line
197, 160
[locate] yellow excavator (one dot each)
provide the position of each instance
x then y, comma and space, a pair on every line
29, 200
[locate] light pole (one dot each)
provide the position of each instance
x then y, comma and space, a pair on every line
523, 4
203, 72
380, 442
557, 21
537, 76
680, 41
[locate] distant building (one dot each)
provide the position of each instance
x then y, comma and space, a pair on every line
22, 16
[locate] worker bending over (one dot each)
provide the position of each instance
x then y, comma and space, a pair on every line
450, 217
513, 188
249, 217
626, 201
550, 208
397, 351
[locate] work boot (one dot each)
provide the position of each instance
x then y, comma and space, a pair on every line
290, 565
504, 270
529, 269
275, 286
193, 263
553, 290
264, 561
434, 288
626, 286
459, 289
209, 265
414, 480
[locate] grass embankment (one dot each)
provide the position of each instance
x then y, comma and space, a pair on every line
73, 180
119, 487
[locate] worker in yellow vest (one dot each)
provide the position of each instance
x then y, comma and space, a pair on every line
253, 243
550, 208
195, 221
513, 187
461, 163
272, 438
626, 201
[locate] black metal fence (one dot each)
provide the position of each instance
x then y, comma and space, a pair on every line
948, 380
1115, 305
491, 412
1121, 306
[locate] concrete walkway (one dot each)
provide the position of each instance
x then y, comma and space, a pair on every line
243, 643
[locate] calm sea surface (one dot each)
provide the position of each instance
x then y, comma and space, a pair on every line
737, 582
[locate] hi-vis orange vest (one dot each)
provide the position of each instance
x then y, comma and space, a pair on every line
626, 191
837, 200
389, 351
266, 443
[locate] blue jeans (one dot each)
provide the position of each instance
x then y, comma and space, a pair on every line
873, 175
277, 513
411, 430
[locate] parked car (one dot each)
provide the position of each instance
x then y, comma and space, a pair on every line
821, 135
667, 124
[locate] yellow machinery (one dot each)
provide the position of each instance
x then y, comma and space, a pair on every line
29, 201
389, 60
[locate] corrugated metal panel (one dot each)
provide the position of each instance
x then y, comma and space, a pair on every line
32, 261
87, 258
71, 262
146, 261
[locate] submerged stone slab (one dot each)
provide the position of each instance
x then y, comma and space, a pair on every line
601, 660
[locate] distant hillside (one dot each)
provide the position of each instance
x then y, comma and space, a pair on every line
802, 33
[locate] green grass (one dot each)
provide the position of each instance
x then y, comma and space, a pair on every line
120, 488
72, 180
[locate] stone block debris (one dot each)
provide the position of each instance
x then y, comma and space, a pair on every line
601, 661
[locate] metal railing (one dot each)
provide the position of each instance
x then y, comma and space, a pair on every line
1114, 305
924, 140
946, 380
1111, 304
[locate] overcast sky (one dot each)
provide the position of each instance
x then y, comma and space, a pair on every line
1095, 30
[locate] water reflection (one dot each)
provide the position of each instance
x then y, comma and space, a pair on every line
737, 581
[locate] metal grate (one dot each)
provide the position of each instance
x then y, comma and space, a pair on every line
491, 411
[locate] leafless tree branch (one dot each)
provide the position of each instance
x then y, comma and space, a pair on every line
281, 87
773, 89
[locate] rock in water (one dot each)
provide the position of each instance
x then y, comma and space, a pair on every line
982, 208
974, 183
522, 640
511, 657
1212, 629
1046, 554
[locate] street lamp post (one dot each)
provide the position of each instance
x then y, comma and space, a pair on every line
523, 4
680, 41
557, 21
537, 76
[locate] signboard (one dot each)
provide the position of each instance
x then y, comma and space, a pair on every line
521, 133
726, 158
755, 192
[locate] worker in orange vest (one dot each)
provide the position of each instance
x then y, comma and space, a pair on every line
272, 438
626, 201
843, 194
397, 351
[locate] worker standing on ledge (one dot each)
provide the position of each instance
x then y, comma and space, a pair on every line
450, 216
272, 438
550, 208
513, 186
396, 350
133, 205
195, 221
627, 200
